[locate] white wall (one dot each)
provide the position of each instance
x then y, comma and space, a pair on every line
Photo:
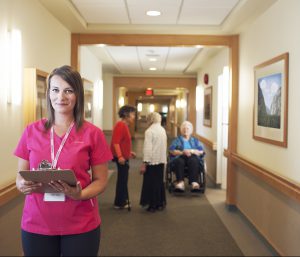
274, 214
45, 45
91, 69
272, 34
213, 67
108, 102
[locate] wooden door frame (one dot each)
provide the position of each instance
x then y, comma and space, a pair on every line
230, 41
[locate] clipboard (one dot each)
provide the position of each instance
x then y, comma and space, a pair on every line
46, 176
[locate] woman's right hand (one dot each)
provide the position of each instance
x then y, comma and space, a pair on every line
121, 160
27, 187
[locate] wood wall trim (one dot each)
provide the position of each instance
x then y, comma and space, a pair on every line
8, 192
75, 51
226, 153
42, 73
233, 117
283, 185
207, 142
153, 39
231, 41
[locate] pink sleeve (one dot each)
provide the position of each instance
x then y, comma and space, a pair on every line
100, 149
22, 147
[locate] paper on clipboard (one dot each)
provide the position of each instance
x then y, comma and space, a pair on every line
46, 176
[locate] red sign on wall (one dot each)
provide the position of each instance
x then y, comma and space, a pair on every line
149, 92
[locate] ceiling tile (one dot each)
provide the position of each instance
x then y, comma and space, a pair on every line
126, 58
103, 11
180, 57
205, 12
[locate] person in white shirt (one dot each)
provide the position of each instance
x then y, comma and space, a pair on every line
155, 157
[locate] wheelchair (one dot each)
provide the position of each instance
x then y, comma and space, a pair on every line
171, 178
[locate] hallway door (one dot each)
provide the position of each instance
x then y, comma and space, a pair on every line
222, 126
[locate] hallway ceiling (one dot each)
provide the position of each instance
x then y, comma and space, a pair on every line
177, 17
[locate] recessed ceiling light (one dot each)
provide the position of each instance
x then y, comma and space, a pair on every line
152, 68
153, 13
198, 46
101, 45
152, 59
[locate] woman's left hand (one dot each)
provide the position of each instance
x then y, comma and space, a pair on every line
73, 192
143, 169
198, 152
187, 152
133, 155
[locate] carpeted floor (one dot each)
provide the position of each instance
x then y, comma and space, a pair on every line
189, 226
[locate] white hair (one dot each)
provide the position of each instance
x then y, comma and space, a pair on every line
154, 117
187, 124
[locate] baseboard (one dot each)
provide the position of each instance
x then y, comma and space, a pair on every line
212, 181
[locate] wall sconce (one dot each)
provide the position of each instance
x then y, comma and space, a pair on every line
165, 109
199, 97
13, 59
139, 107
182, 103
177, 104
151, 108
89, 106
98, 94
121, 101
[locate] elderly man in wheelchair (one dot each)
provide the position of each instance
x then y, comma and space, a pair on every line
186, 156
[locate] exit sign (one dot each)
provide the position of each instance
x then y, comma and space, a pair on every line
149, 92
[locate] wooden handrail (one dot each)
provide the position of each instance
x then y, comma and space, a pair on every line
8, 192
207, 142
280, 183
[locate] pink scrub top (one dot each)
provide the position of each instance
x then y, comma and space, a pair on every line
84, 148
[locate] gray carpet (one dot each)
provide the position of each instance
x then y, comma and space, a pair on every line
189, 226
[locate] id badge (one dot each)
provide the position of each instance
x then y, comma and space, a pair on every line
54, 197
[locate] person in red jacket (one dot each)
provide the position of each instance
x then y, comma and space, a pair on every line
121, 150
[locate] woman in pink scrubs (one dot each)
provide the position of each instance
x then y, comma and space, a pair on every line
68, 222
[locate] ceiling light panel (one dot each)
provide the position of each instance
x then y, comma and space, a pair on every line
102, 11
169, 11
160, 53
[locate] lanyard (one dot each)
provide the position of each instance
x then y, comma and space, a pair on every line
54, 160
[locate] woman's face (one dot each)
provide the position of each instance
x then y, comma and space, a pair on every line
131, 117
62, 95
186, 131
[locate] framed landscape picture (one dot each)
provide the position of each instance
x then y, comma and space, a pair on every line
88, 99
207, 115
271, 101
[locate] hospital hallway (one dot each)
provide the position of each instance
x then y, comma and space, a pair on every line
228, 67
191, 225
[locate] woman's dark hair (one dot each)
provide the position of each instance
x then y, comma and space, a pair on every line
126, 110
73, 78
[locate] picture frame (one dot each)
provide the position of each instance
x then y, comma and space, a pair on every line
207, 110
270, 111
88, 99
